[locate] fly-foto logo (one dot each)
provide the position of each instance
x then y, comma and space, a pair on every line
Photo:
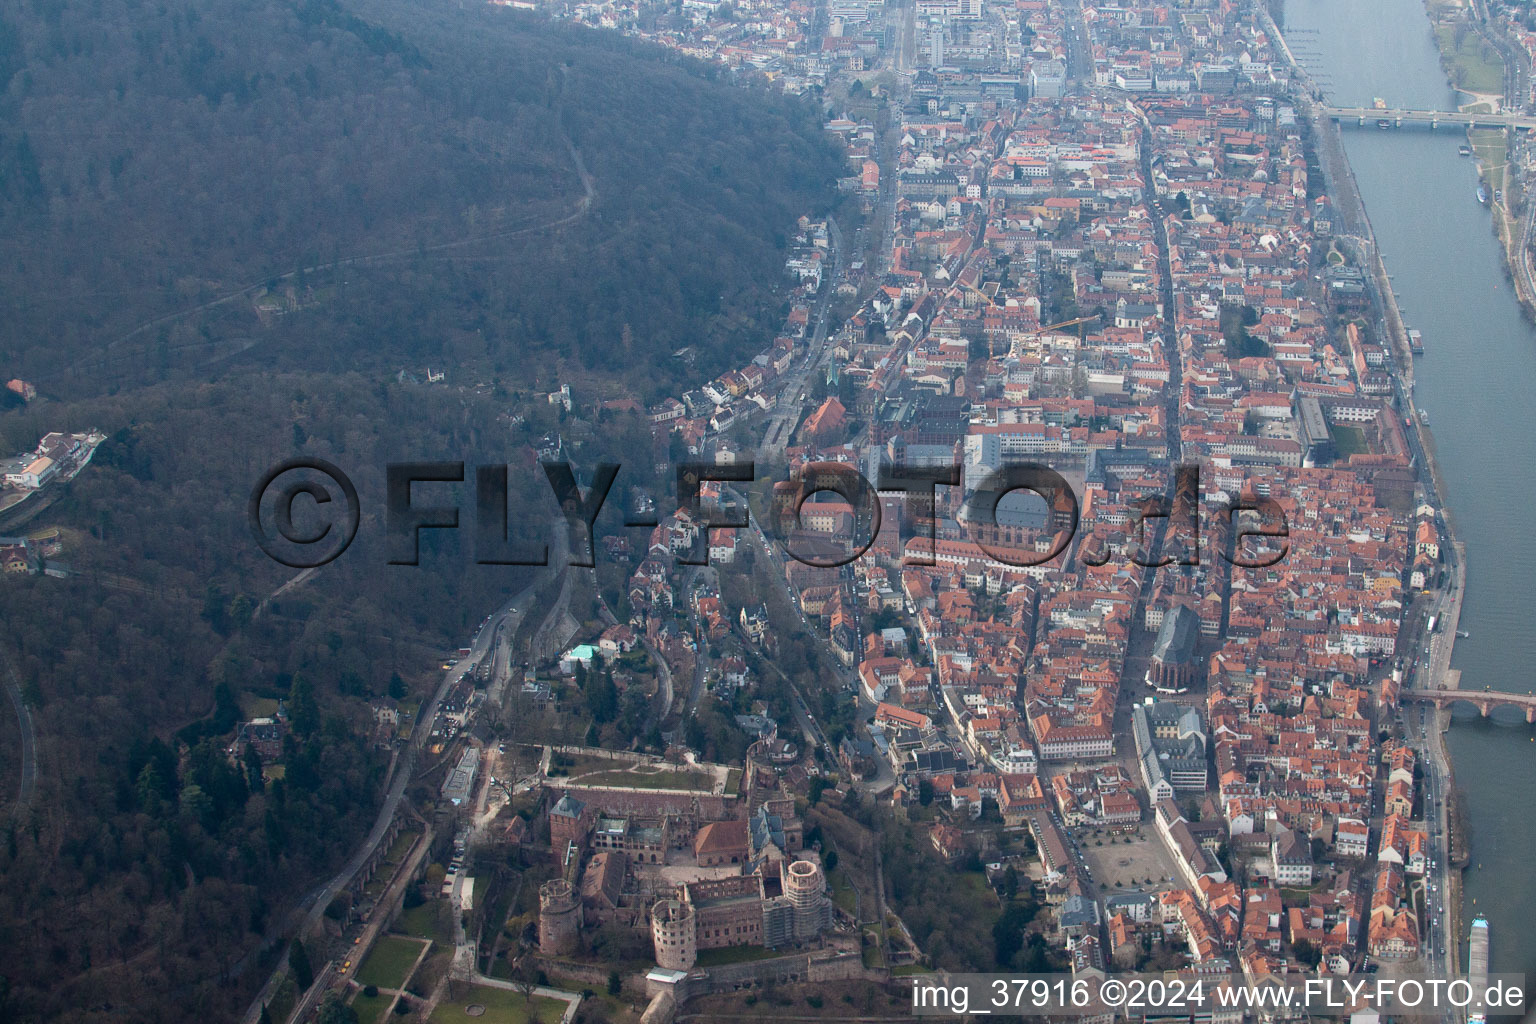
326, 500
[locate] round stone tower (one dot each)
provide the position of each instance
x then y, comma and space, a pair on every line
805, 886
672, 932
559, 918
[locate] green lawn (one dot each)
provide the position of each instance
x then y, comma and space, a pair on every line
501, 1007
258, 707
843, 893
407, 718
397, 852
1475, 66
736, 955
390, 962
980, 889
422, 922
873, 937
612, 1007
1488, 146
401, 845
572, 765
370, 1009
1349, 440
663, 779
284, 999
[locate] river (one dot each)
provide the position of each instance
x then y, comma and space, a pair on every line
1476, 382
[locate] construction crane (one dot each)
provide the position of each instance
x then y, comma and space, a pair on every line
1050, 327
983, 296
1069, 323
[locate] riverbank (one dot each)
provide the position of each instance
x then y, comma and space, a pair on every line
1474, 384
1348, 208
1359, 238
1473, 63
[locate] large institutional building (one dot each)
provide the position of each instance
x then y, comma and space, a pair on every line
1170, 747
749, 881
777, 905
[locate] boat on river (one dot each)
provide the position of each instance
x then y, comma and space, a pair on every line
1477, 964
1482, 195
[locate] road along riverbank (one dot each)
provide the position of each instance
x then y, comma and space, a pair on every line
1473, 384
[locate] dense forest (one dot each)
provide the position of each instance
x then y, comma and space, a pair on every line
402, 184
149, 863
226, 228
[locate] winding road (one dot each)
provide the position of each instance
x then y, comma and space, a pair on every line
313, 905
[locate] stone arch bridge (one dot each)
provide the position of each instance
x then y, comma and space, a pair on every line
1485, 700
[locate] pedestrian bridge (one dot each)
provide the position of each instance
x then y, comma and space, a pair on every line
1485, 700
1434, 118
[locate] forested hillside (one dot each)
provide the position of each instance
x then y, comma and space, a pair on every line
225, 228
416, 168
148, 864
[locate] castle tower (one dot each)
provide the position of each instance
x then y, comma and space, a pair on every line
559, 918
760, 775
806, 888
673, 933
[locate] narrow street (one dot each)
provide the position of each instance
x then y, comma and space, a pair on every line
789, 405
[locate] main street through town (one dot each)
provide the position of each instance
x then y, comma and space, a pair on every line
789, 405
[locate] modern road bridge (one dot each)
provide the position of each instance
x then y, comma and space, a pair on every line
1434, 118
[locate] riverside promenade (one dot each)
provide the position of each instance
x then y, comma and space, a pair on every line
1357, 236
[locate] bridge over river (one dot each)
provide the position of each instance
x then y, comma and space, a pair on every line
1399, 116
1485, 701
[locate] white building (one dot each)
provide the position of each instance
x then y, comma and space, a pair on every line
34, 474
